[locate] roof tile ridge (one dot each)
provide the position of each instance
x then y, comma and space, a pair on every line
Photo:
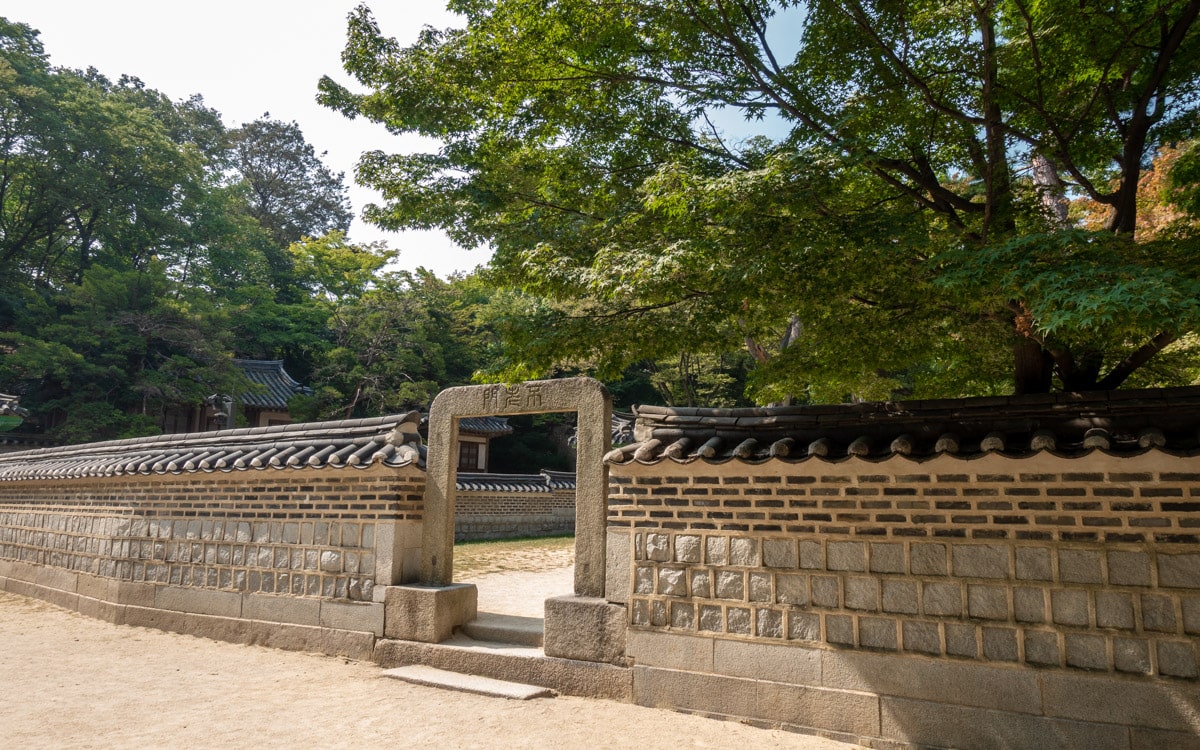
258, 362
359, 428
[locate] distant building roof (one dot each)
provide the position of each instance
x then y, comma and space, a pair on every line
547, 481
485, 426
488, 427
270, 373
9, 406
11, 415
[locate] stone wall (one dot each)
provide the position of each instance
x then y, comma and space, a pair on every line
496, 514
1031, 579
945, 602
304, 547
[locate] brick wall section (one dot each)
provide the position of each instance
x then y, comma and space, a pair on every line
304, 533
957, 501
1087, 563
498, 515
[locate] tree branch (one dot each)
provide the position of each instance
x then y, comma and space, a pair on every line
1126, 367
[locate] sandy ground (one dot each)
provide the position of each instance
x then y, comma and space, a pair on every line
516, 578
68, 681
522, 593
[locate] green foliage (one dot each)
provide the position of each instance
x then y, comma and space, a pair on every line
96, 420
123, 341
143, 245
1089, 286
539, 441
688, 380
91, 172
900, 235
335, 271
396, 344
1183, 182
289, 192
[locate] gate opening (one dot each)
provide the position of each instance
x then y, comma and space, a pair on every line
593, 405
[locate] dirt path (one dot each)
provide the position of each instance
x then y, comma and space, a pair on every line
68, 681
513, 555
516, 577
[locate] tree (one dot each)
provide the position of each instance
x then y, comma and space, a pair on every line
398, 343
335, 271
289, 191
903, 233
118, 352
132, 262
327, 273
89, 171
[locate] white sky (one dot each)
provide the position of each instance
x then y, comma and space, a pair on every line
248, 57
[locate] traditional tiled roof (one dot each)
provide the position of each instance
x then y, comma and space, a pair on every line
547, 481
622, 428
560, 480
485, 426
11, 414
1068, 424
269, 373
359, 443
10, 408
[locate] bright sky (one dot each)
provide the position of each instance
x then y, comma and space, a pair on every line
248, 57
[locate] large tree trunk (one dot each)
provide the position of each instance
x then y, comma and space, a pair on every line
1051, 191
1032, 367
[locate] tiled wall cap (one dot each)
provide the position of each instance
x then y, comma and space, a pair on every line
352, 442
1096, 438
1121, 422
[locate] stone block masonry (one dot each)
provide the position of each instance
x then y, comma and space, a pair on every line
223, 534
959, 600
937, 590
1005, 569
297, 533
296, 558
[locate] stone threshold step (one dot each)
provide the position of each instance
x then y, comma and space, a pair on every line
522, 631
419, 674
505, 661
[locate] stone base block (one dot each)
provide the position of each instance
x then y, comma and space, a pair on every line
351, 644
800, 708
585, 629
428, 614
348, 629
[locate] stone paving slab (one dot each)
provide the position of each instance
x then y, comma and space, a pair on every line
504, 661
420, 674
523, 631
